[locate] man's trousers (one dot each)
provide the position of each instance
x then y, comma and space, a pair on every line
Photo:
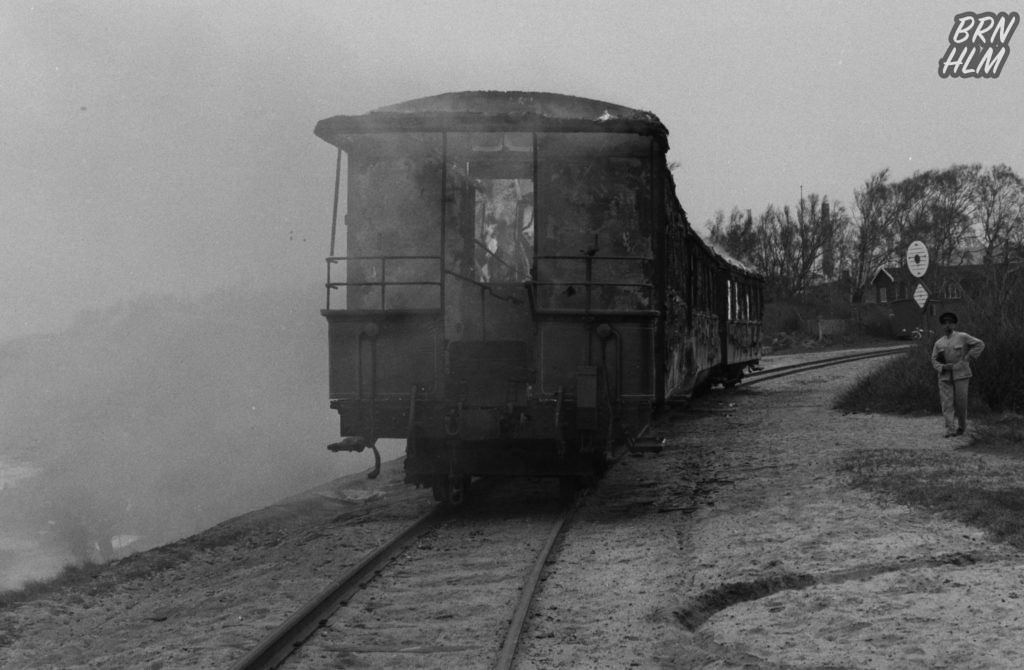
953, 397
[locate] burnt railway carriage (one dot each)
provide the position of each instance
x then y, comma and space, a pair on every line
741, 338
515, 287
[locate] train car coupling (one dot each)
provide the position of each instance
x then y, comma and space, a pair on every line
358, 443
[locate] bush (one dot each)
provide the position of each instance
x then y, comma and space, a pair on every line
997, 374
782, 317
875, 320
903, 385
993, 314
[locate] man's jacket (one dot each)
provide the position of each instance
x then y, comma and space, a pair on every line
956, 349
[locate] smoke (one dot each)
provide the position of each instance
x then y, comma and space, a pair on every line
156, 418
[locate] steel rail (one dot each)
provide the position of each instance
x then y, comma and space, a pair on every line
849, 356
515, 629
777, 373
300, 626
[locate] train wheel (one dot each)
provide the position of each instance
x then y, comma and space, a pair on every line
451, 489
458, 486
440, 489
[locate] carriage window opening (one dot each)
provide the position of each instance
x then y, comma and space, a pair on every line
707, 289
711, 289
490, 225
503, 230
391, 237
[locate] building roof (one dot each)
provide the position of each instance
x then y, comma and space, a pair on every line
882, 271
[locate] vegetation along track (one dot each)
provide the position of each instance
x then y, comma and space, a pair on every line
797, 368
443, 591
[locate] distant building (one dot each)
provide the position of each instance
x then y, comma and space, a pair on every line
894, 288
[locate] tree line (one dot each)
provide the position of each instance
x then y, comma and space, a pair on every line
964, 214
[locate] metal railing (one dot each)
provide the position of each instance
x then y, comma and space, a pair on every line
379, 278
642, 294
578, 295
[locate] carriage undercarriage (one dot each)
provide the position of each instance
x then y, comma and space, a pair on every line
448, 443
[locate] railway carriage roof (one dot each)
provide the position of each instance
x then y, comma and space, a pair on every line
737, 265
723, 259
492, 111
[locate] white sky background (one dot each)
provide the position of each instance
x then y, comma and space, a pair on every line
167, 147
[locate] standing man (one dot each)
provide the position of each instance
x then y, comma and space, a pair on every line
951, 358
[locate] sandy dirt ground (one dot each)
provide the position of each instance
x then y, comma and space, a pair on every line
204, 601
740, 545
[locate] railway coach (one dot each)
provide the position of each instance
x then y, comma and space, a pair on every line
514, 287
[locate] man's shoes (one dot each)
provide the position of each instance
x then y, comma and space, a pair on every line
949, 433
959, 431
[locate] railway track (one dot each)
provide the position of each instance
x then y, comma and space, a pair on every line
419, 592
769, 374
451, 590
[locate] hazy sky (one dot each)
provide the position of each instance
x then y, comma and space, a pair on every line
167, 147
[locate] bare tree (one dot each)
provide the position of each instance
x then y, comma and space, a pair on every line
910, 217
872, 244
955, 211
999, 225
789, 249
793, 248
836, 254
735, 236
951, 212
999, 214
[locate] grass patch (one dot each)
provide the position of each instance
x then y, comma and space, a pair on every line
902, 385
957, 485
960, 485
1000, 434
143, 565
70, 575
905, 384
137, 566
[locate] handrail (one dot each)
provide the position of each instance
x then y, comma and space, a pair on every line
331, 259
383, 281
580, 257
588, 284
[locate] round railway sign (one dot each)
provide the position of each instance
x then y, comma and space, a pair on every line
917, 258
